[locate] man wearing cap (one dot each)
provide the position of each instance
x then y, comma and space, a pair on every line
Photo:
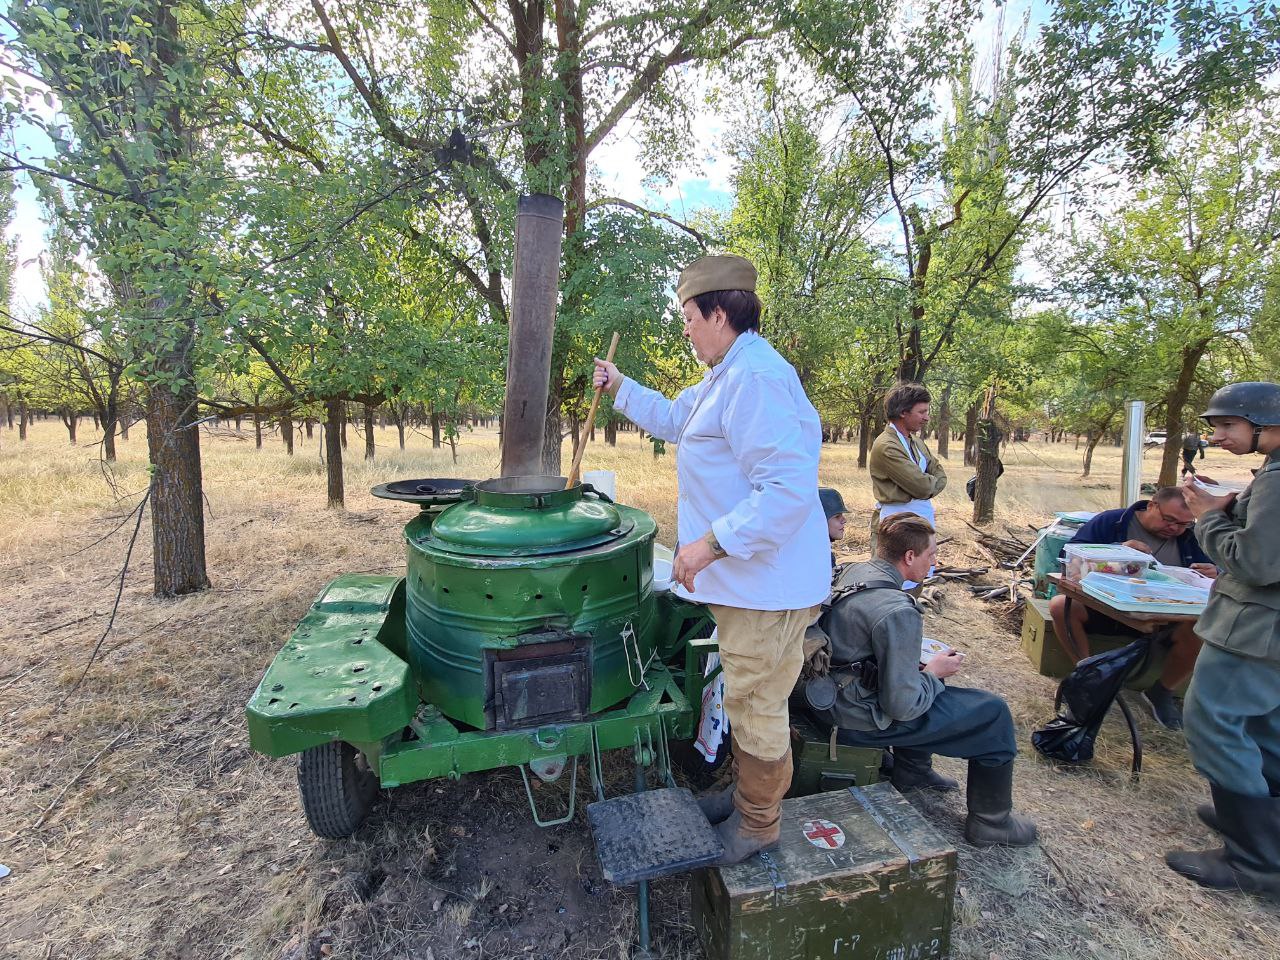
1233, 707
750, 526
834, 510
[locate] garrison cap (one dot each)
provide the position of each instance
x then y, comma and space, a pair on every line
1257, 402
720, 272
832, 502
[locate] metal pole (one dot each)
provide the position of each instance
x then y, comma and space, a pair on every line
642, 951
534, 288
1135, 412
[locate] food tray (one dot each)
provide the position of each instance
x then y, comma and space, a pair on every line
1185, 575
1080, 559
1156, 594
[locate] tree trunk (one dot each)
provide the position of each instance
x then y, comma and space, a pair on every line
109, 422
984, 499
308, 425
124, 427
1092, 441
369, 442
24, 417
435, 429
8, 411
400, 430
177, 497
257, 430
611, 432
864, 438
970, 434
944, 423
1175, 401
238, 420
286, 431
70, 421
335, 420
342, 423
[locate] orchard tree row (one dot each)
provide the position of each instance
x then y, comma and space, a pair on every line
280, 210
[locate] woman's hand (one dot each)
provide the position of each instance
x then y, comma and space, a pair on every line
1199, 502
607, 376
1205, 570
692, 559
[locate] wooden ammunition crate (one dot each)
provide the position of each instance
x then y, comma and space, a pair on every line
857, 874
1040, 642
816, 770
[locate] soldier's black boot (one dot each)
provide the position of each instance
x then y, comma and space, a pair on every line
991, 819
913, 770
1250, 856
1208, 815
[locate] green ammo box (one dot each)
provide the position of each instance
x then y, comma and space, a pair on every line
857, 873
815, 768
1040, 641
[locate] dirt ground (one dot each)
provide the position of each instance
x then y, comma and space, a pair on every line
137, 824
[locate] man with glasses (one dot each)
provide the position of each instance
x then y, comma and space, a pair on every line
1162, 527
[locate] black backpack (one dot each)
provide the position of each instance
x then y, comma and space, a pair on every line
1084, 699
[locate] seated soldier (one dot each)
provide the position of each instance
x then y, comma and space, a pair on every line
886, 699
1161, 527
834, 509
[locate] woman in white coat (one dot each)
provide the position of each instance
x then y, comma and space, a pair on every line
752, 533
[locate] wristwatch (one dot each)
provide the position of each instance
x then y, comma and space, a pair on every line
719, 551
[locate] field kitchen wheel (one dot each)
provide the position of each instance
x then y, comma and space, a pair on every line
337, 788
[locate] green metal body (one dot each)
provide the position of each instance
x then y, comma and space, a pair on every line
399, 666
508, 570
341, 676
886, 892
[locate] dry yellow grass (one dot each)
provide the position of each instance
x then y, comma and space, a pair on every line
179, 842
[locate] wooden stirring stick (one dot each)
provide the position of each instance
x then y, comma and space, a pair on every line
591, 418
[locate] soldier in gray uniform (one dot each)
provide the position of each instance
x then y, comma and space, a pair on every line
886, 699
1232, 710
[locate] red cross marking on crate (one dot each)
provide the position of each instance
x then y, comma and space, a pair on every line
823, 833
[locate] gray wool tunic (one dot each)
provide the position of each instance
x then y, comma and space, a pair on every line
888, 625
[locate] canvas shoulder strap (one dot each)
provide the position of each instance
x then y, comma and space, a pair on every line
858, 586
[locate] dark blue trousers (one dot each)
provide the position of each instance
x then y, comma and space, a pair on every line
965, 723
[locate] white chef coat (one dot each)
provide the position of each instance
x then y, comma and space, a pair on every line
747, 467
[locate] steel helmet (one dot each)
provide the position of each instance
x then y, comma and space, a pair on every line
1259, 403
832, 502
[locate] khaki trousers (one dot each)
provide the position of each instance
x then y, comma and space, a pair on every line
762, 652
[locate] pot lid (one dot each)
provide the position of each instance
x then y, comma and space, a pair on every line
527, 516
429, 492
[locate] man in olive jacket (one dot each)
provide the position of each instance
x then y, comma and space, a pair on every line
1233, 707
905, 476
884, 698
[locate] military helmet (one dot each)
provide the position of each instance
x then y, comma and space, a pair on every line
832, 502
1259, 403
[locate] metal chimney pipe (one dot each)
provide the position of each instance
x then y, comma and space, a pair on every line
534, 287
1135, 414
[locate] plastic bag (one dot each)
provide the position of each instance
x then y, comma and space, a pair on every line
1085, 697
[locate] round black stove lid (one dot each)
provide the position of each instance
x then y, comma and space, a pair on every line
432, 491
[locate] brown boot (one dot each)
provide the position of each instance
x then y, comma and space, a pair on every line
756, 822
717, 806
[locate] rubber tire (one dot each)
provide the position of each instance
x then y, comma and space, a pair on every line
337, 789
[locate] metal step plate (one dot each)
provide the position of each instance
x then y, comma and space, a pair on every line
651, 834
